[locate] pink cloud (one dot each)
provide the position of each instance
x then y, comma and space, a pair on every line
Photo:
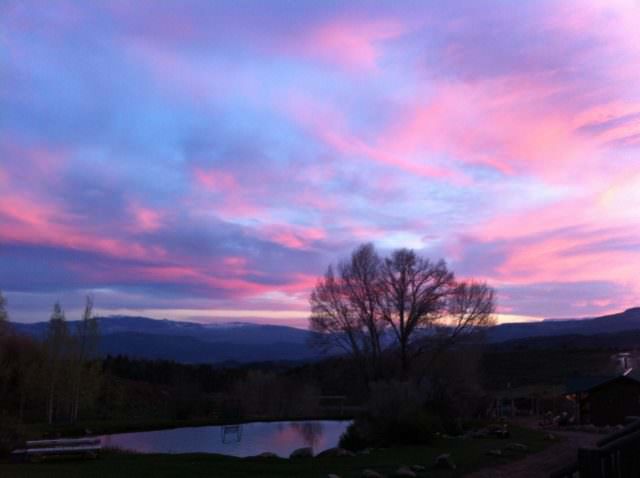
28, 221
583, 239
145, 219
216, 180
224, 195
330, 126
352, 43
294, 237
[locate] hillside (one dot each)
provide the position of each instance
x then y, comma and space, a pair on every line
607, 324
191, 342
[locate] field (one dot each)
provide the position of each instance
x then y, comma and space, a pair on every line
468, 454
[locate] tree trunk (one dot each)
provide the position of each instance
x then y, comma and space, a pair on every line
404, 359
50, 405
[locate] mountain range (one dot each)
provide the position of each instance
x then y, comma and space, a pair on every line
606, 324
191, 342
239, 342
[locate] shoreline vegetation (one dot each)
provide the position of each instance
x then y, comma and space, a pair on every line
468, 454
95, 428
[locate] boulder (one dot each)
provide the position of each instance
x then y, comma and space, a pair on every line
444, 462
482, 433
305, 452
495, 452
405, 472
337, 451
519, 447
267, 454
368, 473
418, 468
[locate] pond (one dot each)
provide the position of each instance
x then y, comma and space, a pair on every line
242, 440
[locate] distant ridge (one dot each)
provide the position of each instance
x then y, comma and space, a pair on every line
192, 342
239, 342
606, 324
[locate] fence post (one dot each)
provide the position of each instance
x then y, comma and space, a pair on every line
589, 463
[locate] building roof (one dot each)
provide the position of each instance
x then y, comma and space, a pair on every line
585, 384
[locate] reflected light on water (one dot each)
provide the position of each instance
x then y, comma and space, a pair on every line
250, 439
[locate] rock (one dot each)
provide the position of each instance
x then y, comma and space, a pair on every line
498, 430
444, 462
483, 433
519, 447
405, 472
335, 452
267, 454
495, 452
418, 468
306, 452
368, 473
331, 475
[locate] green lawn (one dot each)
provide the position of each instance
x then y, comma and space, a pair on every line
469, 455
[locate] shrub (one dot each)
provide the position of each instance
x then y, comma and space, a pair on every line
11, 435
352, 440
395, 415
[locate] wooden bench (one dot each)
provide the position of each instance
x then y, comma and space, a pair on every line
38, 450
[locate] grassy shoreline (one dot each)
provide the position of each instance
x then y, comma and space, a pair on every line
468, 454
35, 431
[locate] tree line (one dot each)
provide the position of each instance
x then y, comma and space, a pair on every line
57, 377
403, 305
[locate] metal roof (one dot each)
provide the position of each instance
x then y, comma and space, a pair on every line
585, 384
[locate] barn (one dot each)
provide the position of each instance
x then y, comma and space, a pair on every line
605, 400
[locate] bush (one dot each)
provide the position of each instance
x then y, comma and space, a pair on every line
405, 429
352, 440
11, 435
395, 416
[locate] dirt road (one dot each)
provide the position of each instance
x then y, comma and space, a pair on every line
539, 465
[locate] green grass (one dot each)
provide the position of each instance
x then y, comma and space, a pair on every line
468, 454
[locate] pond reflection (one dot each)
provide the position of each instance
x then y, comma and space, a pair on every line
247, 439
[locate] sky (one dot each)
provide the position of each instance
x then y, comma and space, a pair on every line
199, 160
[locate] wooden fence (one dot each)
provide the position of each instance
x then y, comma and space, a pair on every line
615, 456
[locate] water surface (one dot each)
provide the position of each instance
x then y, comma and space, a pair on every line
243, 440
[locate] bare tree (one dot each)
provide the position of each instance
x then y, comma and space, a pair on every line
344, 309
413, 297
57, 343
404, 303
360, 279
470, 308
85, 350
4, 316
5, 371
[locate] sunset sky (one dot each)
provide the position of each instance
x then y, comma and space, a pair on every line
207, 160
